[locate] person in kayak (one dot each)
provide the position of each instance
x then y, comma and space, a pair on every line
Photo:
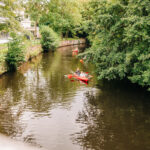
78, 72
82, 74
76, 49
85, 75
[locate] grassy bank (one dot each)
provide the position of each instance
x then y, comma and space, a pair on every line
28, 45
32, 49
3, 53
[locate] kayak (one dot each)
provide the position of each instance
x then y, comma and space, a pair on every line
81, 78
75, 50
85, 79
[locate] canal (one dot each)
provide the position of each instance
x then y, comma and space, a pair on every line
40, 106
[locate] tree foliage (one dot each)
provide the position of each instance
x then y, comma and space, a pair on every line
15, 51
50, 39
35, 9
120, 36
7, 12
63, 16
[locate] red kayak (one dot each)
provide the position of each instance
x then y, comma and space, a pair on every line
85, 79
75, 50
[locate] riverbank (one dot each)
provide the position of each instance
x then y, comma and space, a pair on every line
32, 50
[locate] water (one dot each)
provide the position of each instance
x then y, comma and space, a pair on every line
38, 105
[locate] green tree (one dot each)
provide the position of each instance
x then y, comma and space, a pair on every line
35, 9
15, 51
63, 16
49, 40
120, 39
7, 12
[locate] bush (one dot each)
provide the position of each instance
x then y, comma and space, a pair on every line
27, 35
49, 40
15, 52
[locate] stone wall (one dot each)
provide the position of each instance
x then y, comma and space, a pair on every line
32, 52
72, 42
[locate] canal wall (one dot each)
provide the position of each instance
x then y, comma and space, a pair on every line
72, 42
37, 49
32, 52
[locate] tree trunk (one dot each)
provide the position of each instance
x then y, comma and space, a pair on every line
35, 33
66, 36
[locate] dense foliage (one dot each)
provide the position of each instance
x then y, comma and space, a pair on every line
63, 16
119, 32
9, 17
49, 39
15, 52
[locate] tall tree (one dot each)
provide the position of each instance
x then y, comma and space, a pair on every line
35, 9
8, 16
62, 16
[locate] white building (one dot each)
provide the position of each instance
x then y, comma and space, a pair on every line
4, 37
25, 22
28, 25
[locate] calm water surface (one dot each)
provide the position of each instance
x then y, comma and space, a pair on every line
38, 105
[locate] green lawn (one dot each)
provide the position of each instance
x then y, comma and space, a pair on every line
32, 43
3, 53
3, 46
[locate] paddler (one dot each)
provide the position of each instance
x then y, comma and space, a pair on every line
78, 72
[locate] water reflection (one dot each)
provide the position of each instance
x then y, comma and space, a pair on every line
39, 106
116, 118
9, 144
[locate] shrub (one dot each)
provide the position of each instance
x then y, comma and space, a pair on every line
49, 40
15, 52
27, 35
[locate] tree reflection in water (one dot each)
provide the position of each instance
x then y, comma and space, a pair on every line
115, 119
9, 124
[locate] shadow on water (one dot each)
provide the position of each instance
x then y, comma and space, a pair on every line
116, 118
